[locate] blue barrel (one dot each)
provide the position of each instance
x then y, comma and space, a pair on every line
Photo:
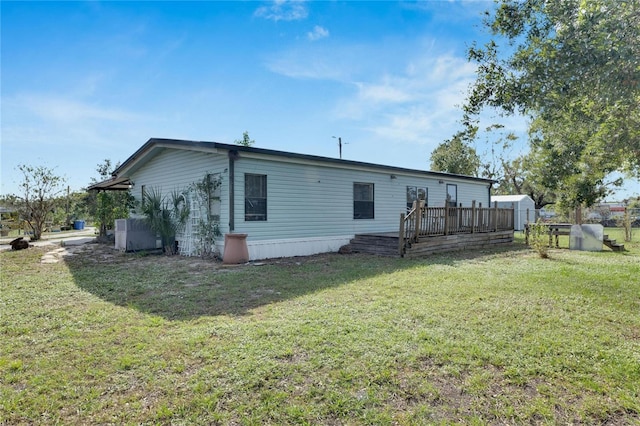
78, 224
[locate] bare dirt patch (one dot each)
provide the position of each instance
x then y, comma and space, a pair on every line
106, 253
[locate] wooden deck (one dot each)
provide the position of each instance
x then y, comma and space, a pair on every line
428, 230
386, 243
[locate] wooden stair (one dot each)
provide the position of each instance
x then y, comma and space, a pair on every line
380, 244
612, 244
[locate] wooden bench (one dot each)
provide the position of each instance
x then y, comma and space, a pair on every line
555, 230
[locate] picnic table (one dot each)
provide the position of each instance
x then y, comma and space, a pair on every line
555, 230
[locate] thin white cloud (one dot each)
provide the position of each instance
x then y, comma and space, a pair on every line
46, 127
283, 10
416, 99
60, 109
344, 63
383, 92
42, 120
405, 125
318, 33
414, 105
318, 62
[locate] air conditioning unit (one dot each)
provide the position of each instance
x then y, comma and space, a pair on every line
134, 235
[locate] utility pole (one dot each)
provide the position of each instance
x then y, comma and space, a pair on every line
339, 145
66, 210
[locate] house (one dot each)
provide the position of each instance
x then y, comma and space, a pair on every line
524, 206
290, 204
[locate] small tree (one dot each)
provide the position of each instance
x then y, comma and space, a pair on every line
111, 206
245, 141
40, 186
538, 238
107, 206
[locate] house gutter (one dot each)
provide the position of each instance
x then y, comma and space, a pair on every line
233, 155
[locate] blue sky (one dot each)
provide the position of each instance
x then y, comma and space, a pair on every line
86, 81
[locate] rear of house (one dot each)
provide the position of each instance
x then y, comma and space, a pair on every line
291, 204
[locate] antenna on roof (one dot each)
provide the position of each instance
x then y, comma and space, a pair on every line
340, 145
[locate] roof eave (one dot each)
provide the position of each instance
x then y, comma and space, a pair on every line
113, 184
214, 146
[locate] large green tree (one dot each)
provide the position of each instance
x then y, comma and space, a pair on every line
524, 175
572, 67
455, 156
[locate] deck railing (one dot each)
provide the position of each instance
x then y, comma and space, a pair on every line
424, 221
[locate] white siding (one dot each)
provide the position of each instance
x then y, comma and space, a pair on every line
313, 200
174, 169
309, 204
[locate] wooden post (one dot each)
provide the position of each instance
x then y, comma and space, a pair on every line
480, 217
401, 235
459, 218
579, 215
495, 215
490, 221
418, 218
446, 217
473, 216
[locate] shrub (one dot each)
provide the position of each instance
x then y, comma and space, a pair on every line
539, 238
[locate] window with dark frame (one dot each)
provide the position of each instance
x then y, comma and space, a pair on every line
363, 205
452, 194
414, 193
143, 194
255, 197
422, 195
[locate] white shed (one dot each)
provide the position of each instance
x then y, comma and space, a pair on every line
521, 203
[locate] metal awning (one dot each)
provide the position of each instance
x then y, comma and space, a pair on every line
113, 184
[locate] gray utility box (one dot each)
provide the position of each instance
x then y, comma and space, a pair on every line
586, 237
134, 235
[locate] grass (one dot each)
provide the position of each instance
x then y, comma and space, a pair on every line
488, 337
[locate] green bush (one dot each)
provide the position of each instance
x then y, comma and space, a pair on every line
539, 238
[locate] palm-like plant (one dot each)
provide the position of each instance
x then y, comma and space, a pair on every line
165, 216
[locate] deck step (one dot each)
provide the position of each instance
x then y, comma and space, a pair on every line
612, 244
383, 245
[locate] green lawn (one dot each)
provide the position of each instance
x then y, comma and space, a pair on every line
493, 337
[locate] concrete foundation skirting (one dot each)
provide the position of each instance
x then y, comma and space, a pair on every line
269, 249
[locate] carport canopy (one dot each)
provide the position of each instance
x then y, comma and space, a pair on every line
113, 184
